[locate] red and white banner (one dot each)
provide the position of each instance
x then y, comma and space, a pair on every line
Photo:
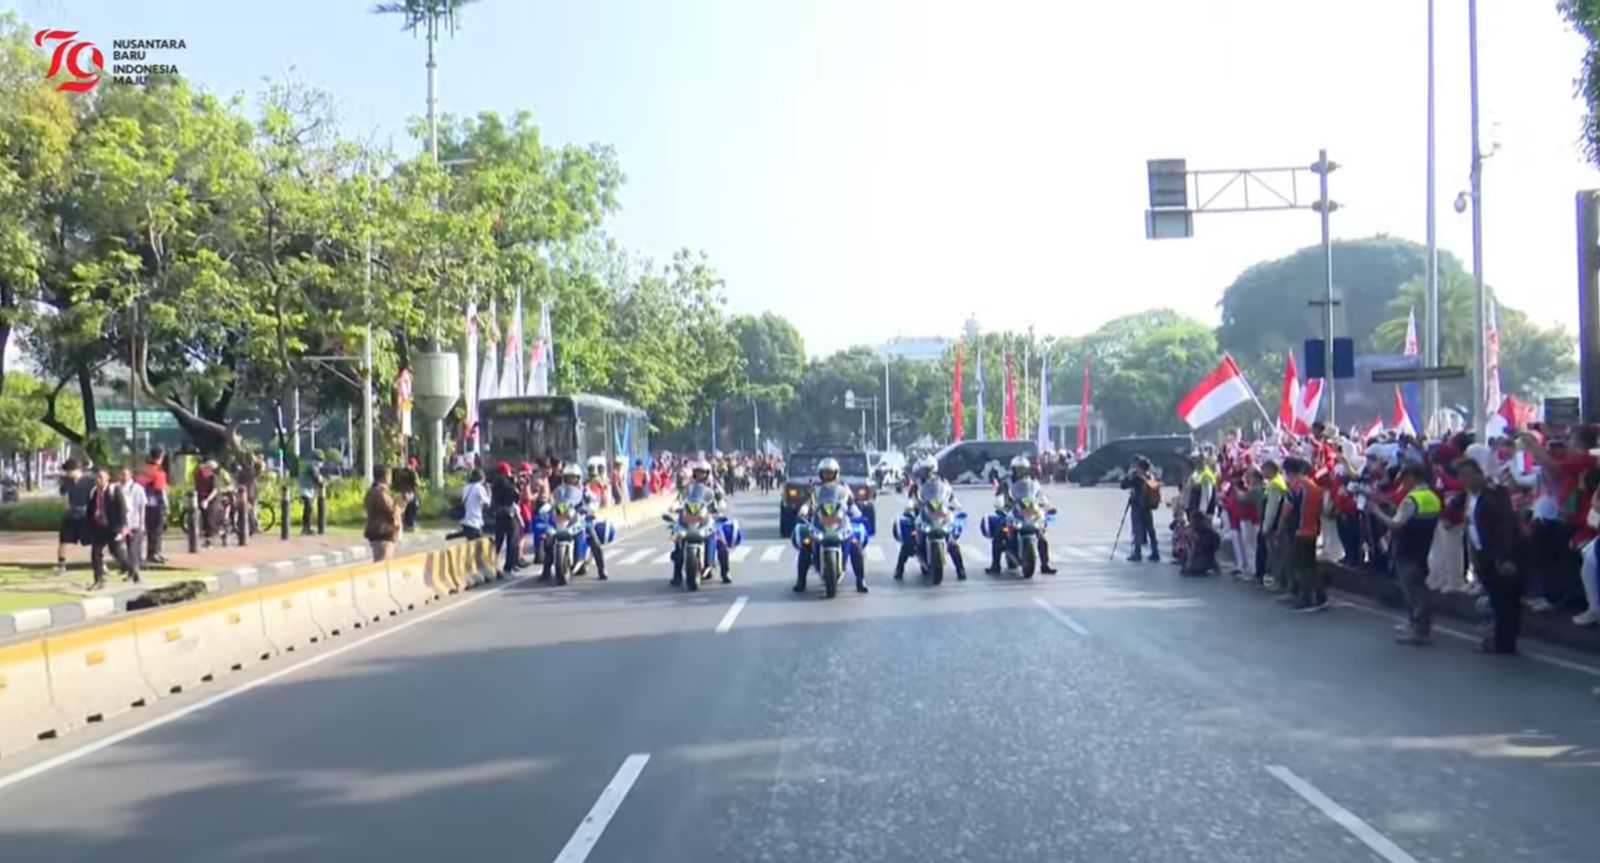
1083, 411
955, 400
1222, 391
1300, 404
1402, 418
1010, 416
402, 400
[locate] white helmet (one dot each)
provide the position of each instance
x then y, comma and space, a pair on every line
1021, 461
828, 464
926, 467
570, 471
700, 466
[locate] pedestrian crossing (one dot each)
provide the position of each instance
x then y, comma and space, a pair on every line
878, 552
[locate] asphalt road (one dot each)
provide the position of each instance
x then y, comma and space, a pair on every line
1113, 712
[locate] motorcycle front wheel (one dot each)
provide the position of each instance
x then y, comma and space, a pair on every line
694, 563
832, 565
1028, 550
563, 562
936, 554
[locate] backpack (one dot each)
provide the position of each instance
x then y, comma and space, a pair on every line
1152, 492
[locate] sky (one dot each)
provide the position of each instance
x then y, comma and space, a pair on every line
872, 168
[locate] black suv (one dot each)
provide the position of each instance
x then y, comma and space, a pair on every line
800, 467
1110, 463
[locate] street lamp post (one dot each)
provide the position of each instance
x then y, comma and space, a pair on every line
1479, 382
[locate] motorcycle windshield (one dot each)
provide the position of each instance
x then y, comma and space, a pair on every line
934, 493
1026, 494
569, 495
832, 493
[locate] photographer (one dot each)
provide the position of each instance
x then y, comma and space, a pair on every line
1144, 498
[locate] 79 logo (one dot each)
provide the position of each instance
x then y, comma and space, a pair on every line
68, 57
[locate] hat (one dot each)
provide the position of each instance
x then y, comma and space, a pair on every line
527, 467
504, 467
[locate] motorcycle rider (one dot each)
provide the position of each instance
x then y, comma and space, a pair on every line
923, 473
700, 478
1021, 466
572, 480
828, 474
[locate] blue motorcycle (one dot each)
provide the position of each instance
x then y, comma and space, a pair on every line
1021, 526
697, 531
932, 526
829, 531
568, 531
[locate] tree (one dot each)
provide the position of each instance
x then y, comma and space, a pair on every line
21, 432
36, 129
1584, 16
1532, 359
1267, 310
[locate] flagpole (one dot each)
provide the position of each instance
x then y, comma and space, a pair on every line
1252, 391
1432, 407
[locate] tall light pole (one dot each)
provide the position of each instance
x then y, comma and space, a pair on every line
1480, 303
1432, 311
887, 444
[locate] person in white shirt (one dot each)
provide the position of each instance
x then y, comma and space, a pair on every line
135, 500
474, 502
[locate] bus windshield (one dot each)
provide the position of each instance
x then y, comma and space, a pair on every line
850, 463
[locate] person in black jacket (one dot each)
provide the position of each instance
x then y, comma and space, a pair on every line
107, 528
504, 500
1142, 509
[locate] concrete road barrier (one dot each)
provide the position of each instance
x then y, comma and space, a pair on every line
369, 589
94, 672
175, 646
286, 616
332, 601
408, 584
27, 710
436, 572
238, 633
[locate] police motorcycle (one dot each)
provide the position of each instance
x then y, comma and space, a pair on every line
697, 529
934, 523
834, 529
568, 522
1020, 525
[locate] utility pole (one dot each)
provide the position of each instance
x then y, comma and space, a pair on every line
367, 457
1325, 207
1432, 408
1479, 381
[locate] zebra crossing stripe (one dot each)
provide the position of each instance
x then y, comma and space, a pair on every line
771, 553
739, 553
637, 556
663, 557
973, 553
874, 553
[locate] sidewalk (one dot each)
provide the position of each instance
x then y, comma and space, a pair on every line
30, 586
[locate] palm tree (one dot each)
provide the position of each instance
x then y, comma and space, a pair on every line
427, 16
1457, 318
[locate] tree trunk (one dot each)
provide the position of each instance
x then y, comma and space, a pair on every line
8, 306
72, 436
211, 437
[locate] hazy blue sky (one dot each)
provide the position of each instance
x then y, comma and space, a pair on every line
869, 167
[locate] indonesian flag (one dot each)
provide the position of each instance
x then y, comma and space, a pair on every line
1222, 391
1402, 418
1373, 430
1083, 410
1298, 408
1511, 416
1411, 334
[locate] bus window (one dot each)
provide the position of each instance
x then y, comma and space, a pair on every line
595, 431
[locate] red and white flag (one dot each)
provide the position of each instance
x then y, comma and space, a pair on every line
1222, 391
1410, 349
1300, 404
1373, 430
1402, 418
1491, 357
1009, 417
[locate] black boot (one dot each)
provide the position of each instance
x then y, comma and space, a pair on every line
955, 558
1044, 558
677, 568
722, 564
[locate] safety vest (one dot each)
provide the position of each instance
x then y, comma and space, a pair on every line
1414, 539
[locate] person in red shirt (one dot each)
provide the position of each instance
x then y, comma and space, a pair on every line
154, 479
1558, 509
1304, 526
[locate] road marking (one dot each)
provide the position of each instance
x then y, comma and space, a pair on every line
663, 557
873, 553
1060, 615
974, 553
637, 556
588, 833
771, 553
739, 554
107, 742
1379, 843
732, 615
1536, 656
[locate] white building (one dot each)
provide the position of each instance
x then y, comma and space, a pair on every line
917, 349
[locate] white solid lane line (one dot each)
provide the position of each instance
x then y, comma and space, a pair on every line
733, 614
1369, 836
771, 553
1060, 615
588, 833
739, 553
86, 750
